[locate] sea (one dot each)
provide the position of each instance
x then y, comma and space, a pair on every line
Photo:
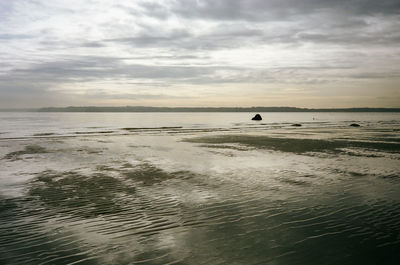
200, 188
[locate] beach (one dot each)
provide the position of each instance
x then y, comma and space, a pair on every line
199, 188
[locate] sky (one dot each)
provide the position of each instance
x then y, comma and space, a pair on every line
200, 53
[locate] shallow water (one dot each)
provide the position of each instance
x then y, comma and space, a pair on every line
199, 188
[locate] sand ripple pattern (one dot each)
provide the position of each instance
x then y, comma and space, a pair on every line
254, 193
144, 215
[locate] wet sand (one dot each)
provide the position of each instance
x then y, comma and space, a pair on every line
174, 196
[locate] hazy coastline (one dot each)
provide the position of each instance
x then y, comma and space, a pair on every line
195, 109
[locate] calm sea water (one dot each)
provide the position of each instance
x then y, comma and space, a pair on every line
199, 188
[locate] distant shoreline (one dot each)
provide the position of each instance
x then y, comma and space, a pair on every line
189, 109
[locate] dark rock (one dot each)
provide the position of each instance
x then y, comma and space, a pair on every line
355, 125
257, 117
297, 125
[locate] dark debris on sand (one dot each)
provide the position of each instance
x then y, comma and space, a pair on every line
29, 149
295, 145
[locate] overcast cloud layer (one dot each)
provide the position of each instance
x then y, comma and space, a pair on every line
304, 53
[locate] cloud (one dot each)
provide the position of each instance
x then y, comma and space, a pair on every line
259, 10
163, 50
173, 38
5, 37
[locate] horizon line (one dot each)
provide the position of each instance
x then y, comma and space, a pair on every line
196, 109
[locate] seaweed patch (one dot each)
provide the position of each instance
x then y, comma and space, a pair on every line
29, 149
294, 145
93, 195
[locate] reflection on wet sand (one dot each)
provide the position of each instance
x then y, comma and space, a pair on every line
202, 198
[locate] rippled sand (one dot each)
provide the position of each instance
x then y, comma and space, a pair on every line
177, 196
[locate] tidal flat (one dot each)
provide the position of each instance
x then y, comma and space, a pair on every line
242, 193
